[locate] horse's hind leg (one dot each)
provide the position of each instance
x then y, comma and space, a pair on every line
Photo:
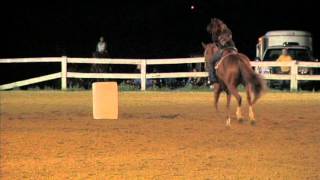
250, 102
228, 108
233, 90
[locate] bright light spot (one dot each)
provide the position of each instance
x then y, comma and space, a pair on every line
192, 7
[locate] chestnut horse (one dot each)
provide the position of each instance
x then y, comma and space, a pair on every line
232, 70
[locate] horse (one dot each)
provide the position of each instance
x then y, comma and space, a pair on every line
232, 70
98, 68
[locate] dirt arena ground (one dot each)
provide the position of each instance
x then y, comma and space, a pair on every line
159, 135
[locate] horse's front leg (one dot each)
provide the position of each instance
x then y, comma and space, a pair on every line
216, 92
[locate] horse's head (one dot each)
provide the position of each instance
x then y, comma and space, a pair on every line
209, 50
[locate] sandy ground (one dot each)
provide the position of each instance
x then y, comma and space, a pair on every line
159, 135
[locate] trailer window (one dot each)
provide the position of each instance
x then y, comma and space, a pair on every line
296, 54
272, 54
299, 54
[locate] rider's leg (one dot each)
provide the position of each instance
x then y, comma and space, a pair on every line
216, 58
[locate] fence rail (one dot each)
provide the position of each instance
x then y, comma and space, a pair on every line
294, 77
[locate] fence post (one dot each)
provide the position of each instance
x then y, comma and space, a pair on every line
293, 79
64, 73
143, 68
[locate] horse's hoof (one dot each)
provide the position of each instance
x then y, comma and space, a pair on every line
241, 120
253, 123
228, 126
228, 122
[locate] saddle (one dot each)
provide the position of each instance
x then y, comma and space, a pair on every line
225, 53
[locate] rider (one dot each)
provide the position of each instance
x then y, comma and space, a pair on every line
101, 48
222, 37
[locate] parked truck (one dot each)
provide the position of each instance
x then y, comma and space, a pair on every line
298, 44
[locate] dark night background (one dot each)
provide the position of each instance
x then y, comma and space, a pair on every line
144, 29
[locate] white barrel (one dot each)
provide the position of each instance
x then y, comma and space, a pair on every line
105, 100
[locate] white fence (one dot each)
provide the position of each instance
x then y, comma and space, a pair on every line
294, 77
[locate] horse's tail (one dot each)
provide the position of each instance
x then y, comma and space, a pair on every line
249, 76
